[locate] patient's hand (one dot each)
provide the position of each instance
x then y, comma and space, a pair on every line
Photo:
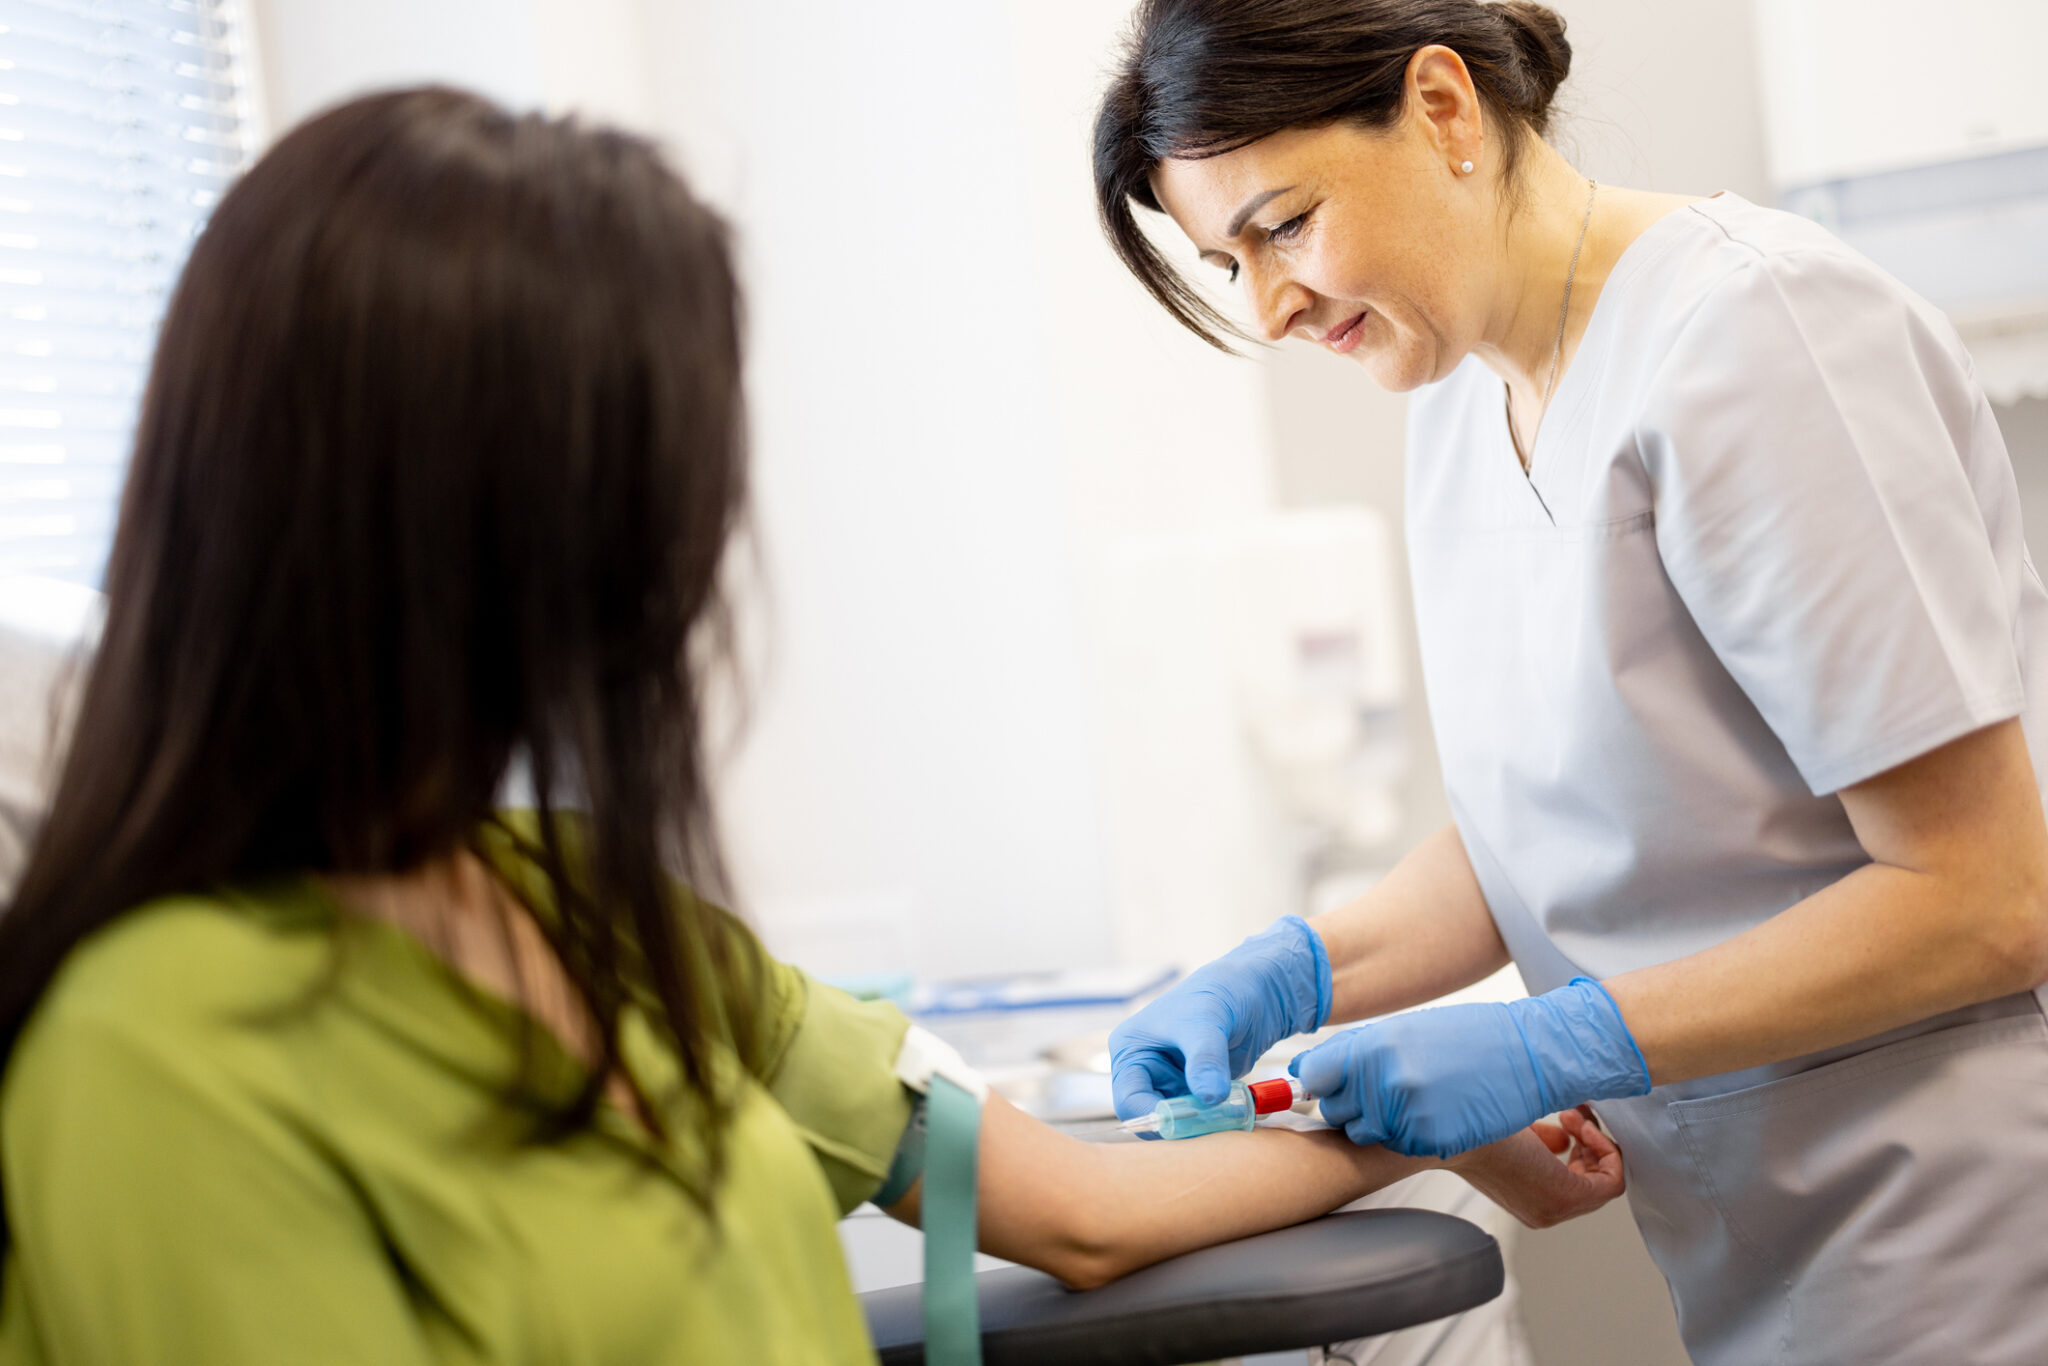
1524, 1176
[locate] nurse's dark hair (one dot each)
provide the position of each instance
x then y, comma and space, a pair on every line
1198, 78
436, 462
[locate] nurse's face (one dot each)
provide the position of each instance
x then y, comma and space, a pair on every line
1366, 241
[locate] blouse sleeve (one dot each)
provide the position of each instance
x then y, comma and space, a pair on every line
834, 1075
828, 1060
1807, 440
160, 1214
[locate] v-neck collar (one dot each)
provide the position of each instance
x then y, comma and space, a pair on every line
1573, 387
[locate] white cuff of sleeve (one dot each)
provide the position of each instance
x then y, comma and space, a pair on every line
925, 1055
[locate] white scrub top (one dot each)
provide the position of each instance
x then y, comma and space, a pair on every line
1769, 546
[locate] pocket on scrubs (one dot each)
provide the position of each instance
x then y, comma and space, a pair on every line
1888, 1203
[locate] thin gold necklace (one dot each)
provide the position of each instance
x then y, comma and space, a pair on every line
1564, 312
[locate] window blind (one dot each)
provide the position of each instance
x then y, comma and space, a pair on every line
121, 122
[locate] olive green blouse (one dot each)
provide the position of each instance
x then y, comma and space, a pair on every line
251, 1127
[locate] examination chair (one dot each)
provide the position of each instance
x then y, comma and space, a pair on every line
1346, 1275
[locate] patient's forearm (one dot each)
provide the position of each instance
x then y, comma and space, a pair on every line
1157, 1200
1090, 1212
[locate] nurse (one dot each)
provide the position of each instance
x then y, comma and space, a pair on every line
1737, 663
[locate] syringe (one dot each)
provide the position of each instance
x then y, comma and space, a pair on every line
1186, 1117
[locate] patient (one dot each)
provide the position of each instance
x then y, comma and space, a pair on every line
310, 1053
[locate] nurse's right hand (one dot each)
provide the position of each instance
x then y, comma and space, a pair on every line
1214, 1023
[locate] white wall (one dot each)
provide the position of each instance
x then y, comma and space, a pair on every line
313, 53
920, 747
964, 416
1162, 443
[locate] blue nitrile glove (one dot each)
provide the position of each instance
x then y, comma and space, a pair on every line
1215, 1022
1439, 1082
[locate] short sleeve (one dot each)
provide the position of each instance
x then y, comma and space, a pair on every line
835, 1077
1806, 438
163, 1215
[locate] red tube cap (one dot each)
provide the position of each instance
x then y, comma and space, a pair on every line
1270, 1097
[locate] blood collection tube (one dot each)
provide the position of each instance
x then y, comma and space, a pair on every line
1186, 1117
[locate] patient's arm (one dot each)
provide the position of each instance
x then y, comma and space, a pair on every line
1088, 1213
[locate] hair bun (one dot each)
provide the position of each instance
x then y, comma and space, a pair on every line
1546, 53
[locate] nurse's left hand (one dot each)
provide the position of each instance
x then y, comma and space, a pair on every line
1547, 1173
1433, 1083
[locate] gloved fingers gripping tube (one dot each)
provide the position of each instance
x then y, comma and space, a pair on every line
1215, 1023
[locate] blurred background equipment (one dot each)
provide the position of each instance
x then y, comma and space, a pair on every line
47, 627
1951, 194
1257, 673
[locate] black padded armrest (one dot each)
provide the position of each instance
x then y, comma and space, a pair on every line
1342, 1276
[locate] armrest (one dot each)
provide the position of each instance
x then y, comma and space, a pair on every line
1345, 1275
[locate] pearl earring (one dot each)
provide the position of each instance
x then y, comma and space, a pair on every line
1466, 167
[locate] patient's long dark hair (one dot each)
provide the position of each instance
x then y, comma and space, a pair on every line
439, 452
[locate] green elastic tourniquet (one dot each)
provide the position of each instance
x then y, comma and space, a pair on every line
909, 1164
952, 1311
